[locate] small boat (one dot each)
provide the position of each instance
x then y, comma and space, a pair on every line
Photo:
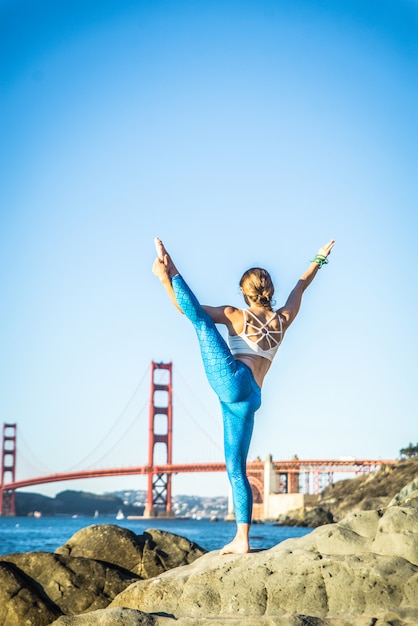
120, 515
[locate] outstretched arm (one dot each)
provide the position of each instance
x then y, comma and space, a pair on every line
292, 306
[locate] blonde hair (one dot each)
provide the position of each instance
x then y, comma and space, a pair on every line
257, 286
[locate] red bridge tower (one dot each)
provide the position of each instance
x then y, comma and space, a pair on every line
160, 432
8, 466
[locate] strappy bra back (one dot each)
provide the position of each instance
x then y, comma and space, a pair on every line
255, 333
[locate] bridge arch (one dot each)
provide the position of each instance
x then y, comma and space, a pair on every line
257, 488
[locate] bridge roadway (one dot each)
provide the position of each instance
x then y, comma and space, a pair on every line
294, 466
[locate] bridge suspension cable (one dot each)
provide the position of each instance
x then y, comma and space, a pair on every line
215, 443
197, 398
83, 461
36, 464
214, 420
88, 461
122, 436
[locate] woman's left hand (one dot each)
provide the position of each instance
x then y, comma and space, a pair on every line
326, 250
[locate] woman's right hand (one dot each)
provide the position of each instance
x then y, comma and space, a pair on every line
160, 269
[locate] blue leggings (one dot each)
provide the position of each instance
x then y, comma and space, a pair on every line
239, 395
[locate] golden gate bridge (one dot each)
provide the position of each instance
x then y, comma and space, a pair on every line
292, 476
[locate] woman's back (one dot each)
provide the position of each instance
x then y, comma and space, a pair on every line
254, 336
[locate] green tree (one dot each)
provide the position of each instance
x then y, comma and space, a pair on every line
410, 451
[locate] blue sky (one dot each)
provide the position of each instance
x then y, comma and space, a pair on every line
242, 133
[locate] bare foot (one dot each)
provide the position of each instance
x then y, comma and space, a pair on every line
165, 257
161, 251
237, 546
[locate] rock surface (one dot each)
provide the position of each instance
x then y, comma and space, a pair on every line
86, 574
307, 517
408, 495
22, 601
112, 617
72, 584
131, 617
360, 571
362, 568
146, 555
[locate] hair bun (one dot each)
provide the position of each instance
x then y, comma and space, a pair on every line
256, 284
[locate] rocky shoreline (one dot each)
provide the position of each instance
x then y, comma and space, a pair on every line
359, 571
369, 492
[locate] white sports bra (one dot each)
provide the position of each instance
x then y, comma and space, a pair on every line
253, 327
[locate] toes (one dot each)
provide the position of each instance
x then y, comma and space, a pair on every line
159, 248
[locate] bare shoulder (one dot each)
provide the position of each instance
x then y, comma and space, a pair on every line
235, 320
232, 311
224, 314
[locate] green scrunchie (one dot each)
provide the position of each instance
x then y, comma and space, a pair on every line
320, 259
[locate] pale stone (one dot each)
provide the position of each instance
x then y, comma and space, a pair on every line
361, 571
407, 495
395, 534
332, 573
147, 555
111, 617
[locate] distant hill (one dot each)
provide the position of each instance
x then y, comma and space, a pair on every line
372, 491
73, 503
131, 502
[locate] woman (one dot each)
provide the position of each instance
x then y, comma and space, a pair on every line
236, 373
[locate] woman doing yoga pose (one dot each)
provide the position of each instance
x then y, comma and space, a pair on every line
236, 373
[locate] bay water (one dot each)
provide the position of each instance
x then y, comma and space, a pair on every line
30, 534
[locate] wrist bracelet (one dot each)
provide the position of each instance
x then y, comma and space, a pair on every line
320, 259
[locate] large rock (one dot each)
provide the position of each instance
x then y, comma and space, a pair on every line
361, 571
86, 574
22, 602
147, 555
356, 572
72, 584
130, 617
307, 517
114, 617
407, 495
